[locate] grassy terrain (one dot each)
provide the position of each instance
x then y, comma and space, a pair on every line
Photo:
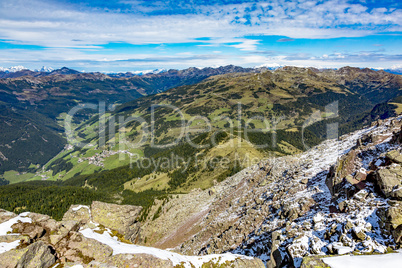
253, 107
33, 109
398, 109
14, 177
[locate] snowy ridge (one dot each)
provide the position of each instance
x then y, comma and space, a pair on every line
319, 231
284, 209
18, 68
93, 230
155, 71
387, 260
177, 259
13, 69
44, 69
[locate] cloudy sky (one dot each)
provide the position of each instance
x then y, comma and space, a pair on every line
130, 35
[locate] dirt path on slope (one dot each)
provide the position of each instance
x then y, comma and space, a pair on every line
183, 232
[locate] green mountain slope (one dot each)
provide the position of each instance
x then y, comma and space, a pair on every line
34, 103
222, 115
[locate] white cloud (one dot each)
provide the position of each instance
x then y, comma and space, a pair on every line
247, 45
72, 35
57, 25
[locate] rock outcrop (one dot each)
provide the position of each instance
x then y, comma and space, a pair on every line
395, 156
38, 254
35, 240
389, 179
78, 213
6, 215
391, 219
122, 218
313, 262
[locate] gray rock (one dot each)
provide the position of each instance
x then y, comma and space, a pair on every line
33, 230
122, 218
359, 234
12, 238
343, 206
313, 262
78, 213
304, 181
395, 156
389, 180
6, 215
391, 219
277, 256
78, 248
38, 254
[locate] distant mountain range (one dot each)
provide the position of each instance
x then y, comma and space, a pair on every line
20, 71
17, 71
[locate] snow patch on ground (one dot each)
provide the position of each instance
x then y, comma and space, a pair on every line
79, 207
5, 227
4, 247
188, 261
366, 261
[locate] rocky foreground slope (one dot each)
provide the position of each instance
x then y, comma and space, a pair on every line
339, 197
84, 238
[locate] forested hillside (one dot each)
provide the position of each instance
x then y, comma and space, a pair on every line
34, 104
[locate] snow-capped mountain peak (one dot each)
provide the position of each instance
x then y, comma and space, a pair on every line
155, 71
45, 69
12, 69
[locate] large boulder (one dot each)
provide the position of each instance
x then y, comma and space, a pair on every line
78, 213
38, 254
391, 218
389, 180
277, 256
338, 174
122, 218
45, 228
50, 225
138, 260
313, 262
64, 229
78, 248
395, 156
6, 215
33, 230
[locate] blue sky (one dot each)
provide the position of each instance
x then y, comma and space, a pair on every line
133, 35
